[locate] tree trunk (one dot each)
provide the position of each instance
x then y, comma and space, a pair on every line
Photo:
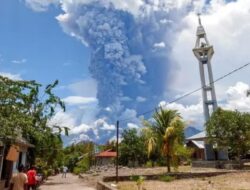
168, 164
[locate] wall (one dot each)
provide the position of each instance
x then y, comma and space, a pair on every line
103, 186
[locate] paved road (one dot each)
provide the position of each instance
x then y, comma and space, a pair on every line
72, 182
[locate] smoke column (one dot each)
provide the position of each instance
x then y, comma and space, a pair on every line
129, 54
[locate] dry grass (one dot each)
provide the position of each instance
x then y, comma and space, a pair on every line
232, 181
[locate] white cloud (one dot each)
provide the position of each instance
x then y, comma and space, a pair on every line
40, 5
64, 119
191, 114
140, 99
78, 100
113, 139
228, 31
135, 7
19, 61
103, 125
11, 76
236, 99
80, 138
129, 114
132, 126
166, 21
83, 128
86, 88
132, 6
160, 45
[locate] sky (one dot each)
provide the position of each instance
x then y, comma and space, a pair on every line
116, 59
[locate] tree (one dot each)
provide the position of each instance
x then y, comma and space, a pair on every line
165, 134
25, 112
230, 129
132, 148
79, 157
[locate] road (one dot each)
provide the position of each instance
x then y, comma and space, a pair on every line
72, 182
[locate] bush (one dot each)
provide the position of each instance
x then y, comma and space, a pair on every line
134, 177
50, 172
166, 178
149, 164
45, 173
77, 170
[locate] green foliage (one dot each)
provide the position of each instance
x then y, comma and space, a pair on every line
135, 177
79, 157
132, 149
25, 111
166, 178
140, 180
149, 164
77, 170
230, 129
165, 135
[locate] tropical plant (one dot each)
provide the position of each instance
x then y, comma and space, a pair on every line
165, 134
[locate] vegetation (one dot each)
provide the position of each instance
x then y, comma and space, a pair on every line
166, 178
25, 111
160, 142
165, 135
132, 149
230, 129
79, 157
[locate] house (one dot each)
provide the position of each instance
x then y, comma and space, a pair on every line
198, 143
105, 157
11, 156
198, 149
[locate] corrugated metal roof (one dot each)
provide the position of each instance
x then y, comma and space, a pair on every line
199, 136
199, 144
107, 153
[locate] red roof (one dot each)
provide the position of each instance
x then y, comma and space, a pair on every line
107, 153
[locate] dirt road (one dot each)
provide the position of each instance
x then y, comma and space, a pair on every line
72, 182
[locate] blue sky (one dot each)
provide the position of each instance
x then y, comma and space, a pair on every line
115, 59
34, 46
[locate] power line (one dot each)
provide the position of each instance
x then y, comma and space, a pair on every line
189, 93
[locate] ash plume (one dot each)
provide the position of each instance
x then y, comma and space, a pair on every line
129, 53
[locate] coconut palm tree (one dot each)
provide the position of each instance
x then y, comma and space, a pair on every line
165, 133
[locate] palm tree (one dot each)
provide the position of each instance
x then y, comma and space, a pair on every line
165, 133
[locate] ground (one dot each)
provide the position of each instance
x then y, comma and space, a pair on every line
97, 173
235, 180
69, 183
232, 181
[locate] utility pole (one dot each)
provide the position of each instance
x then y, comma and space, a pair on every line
117, 149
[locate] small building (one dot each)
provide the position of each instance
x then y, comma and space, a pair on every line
11, 156
198, 148
105, 157
197, 143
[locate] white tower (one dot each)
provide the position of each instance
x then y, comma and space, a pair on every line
204, 53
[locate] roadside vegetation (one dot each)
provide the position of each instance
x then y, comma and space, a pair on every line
25, 110
159, 143
230, 130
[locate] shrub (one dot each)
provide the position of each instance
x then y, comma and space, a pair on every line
50, 172
77, 170
166, 178
149, 164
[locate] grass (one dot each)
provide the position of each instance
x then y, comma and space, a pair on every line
166, 178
